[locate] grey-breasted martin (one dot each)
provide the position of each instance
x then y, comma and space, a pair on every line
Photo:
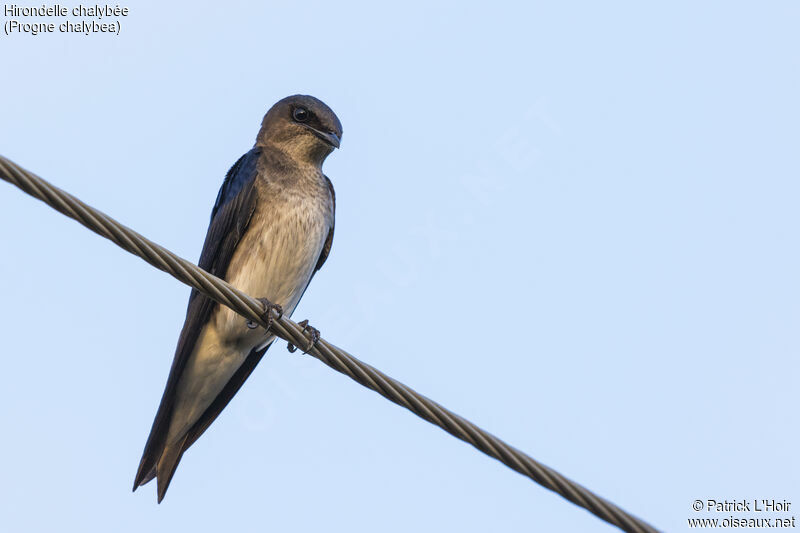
271, 230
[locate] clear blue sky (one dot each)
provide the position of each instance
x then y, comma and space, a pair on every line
616, 185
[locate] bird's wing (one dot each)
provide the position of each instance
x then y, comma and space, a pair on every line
229, 219
172, 454
329, 240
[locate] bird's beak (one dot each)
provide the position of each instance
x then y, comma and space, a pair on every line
327, 136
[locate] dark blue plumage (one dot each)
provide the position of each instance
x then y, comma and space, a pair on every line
271, 228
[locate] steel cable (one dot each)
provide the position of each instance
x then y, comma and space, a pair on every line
329, 354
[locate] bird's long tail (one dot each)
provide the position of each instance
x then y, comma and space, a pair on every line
167, 464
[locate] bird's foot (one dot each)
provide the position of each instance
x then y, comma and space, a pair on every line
267, 313
312, 332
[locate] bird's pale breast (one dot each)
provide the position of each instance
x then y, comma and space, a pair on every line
274, 260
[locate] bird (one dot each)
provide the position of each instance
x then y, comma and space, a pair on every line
271, 230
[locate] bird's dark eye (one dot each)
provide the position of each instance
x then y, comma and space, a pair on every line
300, 114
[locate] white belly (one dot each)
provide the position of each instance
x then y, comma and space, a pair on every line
274, 260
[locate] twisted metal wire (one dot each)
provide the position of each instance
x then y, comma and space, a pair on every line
329, 354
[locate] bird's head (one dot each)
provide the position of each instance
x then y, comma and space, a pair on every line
303, 127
